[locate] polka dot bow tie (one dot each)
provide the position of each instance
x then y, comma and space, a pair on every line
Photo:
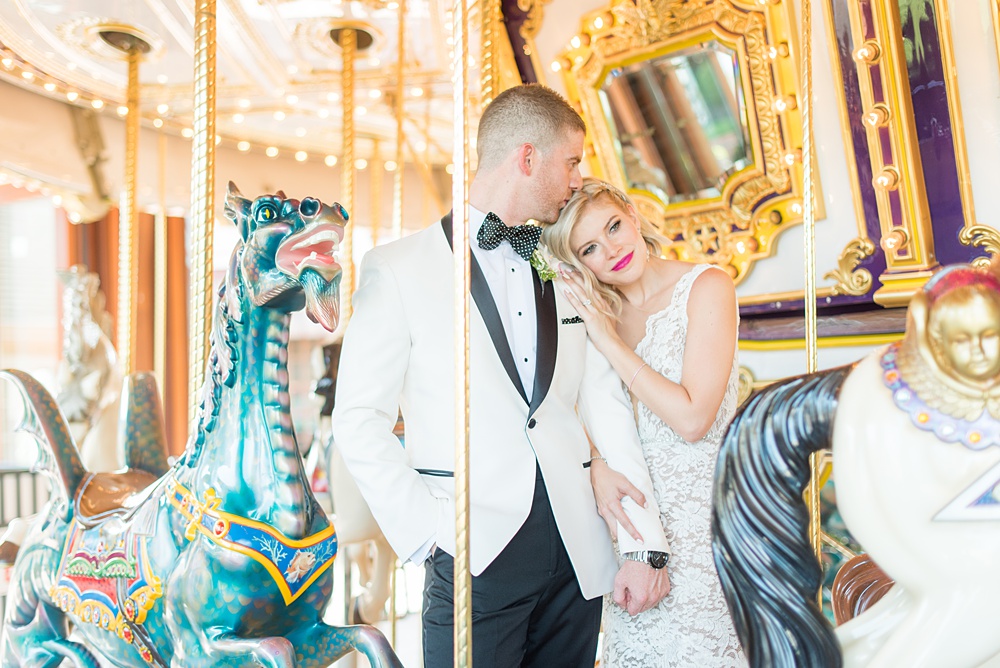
522, 238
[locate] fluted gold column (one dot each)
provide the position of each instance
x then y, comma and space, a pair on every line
160, 273
397, 177
460, 236
128, 222
490, 69
202, 197
375, 179
348, 46
816, 460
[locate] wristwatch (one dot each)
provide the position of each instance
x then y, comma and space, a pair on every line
655, 559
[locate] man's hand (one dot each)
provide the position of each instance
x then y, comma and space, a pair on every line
639, 586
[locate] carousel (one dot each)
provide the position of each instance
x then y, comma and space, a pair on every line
187, 187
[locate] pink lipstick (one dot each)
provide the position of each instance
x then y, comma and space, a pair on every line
622, 263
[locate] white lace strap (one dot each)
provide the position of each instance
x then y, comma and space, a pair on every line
683, 290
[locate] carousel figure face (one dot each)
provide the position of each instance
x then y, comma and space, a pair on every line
965, 335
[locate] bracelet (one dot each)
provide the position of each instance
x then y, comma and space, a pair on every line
631, 382
594, 459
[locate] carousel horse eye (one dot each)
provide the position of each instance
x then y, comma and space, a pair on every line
267, 212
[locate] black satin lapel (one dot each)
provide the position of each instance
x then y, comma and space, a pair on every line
547, 339
488, 310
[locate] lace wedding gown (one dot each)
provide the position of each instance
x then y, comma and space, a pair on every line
691, 627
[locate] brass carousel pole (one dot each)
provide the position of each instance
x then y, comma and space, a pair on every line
202, 196
460, 234
128, 220
397, 228
348, 44
375, 178
816, 460
397, 180
490, 68
160, 273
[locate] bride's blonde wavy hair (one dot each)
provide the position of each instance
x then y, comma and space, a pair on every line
556, 238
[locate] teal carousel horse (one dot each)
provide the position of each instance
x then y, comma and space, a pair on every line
223, 559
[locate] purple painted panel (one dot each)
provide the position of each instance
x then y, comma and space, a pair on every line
859, 140
925, 70
513, 18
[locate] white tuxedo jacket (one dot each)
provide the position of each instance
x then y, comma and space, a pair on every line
398, 353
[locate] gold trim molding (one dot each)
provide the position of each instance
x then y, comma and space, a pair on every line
756, 203
901, 197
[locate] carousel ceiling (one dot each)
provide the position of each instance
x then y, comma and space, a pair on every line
278, 69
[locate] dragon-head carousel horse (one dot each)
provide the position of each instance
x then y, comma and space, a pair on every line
223, 559
914, 429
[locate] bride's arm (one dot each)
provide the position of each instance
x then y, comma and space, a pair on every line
688, 407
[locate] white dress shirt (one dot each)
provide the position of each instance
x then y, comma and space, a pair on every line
512, 286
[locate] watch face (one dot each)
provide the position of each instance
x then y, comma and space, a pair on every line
658, 559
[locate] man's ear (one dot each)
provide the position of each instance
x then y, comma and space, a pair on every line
527, 156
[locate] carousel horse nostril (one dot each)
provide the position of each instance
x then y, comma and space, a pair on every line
309, 207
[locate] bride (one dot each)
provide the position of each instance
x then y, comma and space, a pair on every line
669, 329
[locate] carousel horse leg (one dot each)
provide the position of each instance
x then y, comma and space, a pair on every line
35, 635
201, 623
933, 624
376, 575
321, 645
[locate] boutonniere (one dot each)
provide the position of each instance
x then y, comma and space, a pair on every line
542, 261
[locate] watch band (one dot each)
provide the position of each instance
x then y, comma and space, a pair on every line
647, 557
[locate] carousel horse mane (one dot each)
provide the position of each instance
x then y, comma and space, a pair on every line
762, 469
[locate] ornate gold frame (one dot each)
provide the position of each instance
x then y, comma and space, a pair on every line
904, 215
758, 202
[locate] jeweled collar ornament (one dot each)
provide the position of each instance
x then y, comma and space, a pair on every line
927, 402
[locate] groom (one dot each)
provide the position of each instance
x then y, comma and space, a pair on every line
541, 556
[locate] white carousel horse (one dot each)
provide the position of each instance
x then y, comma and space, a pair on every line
89, 383
914, 429
88, 376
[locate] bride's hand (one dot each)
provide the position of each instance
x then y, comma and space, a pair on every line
600, 326
610, 487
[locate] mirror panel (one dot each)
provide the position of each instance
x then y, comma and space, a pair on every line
692, 107
679, 122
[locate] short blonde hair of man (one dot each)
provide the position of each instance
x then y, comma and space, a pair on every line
527, 114
555, 237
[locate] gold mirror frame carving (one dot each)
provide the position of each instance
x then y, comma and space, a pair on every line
756, 203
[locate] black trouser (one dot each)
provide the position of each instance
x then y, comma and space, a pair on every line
527, 609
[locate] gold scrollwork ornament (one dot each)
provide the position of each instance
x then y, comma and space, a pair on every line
981, 236
851, 280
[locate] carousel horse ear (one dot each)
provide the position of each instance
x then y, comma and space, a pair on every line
237, 208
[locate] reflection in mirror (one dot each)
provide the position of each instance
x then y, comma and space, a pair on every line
680, 122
